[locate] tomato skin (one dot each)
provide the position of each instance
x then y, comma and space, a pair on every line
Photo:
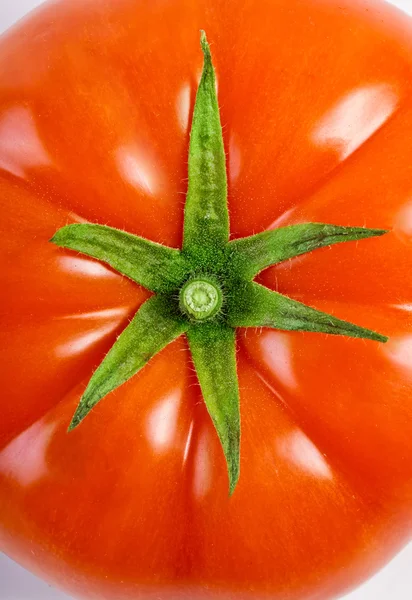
95, 107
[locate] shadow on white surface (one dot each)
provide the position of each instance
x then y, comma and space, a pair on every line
10, 12
393, 582
18, 584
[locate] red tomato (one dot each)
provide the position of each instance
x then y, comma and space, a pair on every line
95, 106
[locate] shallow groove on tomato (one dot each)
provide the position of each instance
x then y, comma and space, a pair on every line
97, 348
353, 483
283, 218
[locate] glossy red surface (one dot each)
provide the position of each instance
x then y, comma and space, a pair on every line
316, 105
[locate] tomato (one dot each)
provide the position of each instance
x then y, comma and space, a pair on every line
95, 108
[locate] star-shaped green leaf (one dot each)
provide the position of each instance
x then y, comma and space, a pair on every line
206, 289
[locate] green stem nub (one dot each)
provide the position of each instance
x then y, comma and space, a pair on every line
200, 299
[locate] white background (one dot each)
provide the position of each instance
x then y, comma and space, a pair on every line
394, 582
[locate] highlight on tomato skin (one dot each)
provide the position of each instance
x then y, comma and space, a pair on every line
97, 104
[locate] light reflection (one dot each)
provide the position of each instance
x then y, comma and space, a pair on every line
20, 144
162, 422
107, 313
83, 266
284, 219
399, 351
298, 449
82, 342
137, 169
403, 223
235, 158
202, 476
278, 356
188, 443
24, 458
405, 307
356, 118
183, 107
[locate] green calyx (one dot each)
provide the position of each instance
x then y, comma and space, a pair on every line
206, 289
